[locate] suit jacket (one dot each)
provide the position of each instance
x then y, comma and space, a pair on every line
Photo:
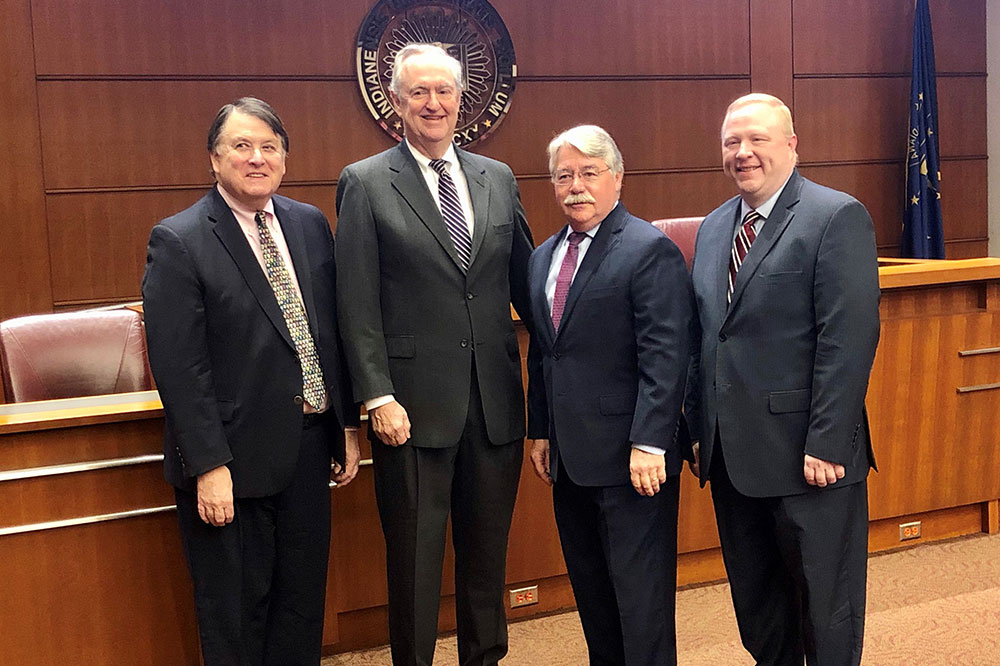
783, 370
413, 318
223, 359
615, 372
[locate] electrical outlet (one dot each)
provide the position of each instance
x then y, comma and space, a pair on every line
909, 531
524, 596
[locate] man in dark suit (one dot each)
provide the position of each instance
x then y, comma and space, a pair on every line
786, 281
611, 301
239, 297
432, 246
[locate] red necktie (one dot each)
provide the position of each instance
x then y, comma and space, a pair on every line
565, 277
741, 245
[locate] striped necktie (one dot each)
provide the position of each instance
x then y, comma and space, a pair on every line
313, 389
741, 245
451, 211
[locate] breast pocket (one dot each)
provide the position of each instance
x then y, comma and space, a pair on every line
505, 228
781, 277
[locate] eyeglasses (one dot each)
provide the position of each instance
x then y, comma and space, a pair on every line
423, 94
589, 176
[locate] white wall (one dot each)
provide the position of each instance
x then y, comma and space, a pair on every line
993, 121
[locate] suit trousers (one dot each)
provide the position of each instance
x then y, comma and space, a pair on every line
797, 568
621, 554
415, 489
260, 582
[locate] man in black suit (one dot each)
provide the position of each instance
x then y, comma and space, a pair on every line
432, 247
786, 281
611, 300
239, 297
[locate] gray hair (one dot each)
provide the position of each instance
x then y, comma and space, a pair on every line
590, 140
434, 50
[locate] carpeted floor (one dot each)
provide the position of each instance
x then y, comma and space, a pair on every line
933, 605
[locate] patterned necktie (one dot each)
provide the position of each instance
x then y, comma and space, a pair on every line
741, 245
565, 277
313, 389
451, 211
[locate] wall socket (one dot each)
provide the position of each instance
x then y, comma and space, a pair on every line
524, 596
909, 531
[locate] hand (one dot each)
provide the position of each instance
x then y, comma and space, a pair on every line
391, 423
820, 472
344, 474
696, 465
648, 471
215, 497
540, 459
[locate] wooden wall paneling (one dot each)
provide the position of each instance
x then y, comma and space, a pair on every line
771, 49
966, 249
24, 281
963, 199
628, 37
115, 594
195, 38
859, 36
119, 134
696, 527
961, 116
656, 124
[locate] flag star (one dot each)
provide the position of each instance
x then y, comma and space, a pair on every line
920, 96
938, 195
915, 200
929, 131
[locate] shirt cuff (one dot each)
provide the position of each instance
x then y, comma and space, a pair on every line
648, 448
372, 403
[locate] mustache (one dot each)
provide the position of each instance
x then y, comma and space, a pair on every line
583, 197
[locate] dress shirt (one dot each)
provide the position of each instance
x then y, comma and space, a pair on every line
764, 210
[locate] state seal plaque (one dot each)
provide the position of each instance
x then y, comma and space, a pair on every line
470, 30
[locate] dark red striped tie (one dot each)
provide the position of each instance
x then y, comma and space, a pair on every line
565, 277
741, 245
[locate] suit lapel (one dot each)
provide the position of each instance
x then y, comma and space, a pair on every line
479, 192
409, 182
730, 213
775, 225
229, 232
608, 235
295, 239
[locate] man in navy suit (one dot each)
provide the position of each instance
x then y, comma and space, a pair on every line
611, 301
786, 281
239, 299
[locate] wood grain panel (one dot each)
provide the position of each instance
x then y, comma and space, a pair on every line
921, 426
637, 37
191, 37
24, 280
80, 444
656, 124
881, 188
112, 140
854, 36
649, 196
870, 122
771, 48
115, 593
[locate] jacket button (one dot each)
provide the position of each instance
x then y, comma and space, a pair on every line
298, 400
722, 337
463, 344
470, 296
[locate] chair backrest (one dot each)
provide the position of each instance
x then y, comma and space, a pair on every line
682, 231
65, 355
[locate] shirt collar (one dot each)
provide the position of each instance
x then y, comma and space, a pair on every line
237, 207
449, 155
765, 208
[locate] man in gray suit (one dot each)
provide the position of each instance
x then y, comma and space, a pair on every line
786, 281
432, 247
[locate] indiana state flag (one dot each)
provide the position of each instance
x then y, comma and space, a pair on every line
923, 236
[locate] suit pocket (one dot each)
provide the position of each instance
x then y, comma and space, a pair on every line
594, 294
783, 402
782, 276
505, 228
400, 346
226, 410
617, 404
